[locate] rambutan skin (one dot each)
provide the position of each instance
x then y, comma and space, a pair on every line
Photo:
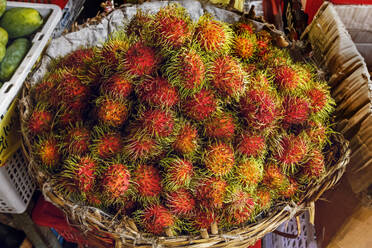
251, 145
286, 78
141, 60
112, 112
78, 140
245, 46
156, 219
249, 172
273, 178
40, 121
315, 167
219, 158
71, 89
259, 108
186, 141
220, 127
263, 198
141, 146
293, 150
117, 85
116, 180
239, 210
211, 193
178, 173
227, 76
203, 219
181, 202
296, 110
158, 92
77, 58
201, 105
47, 150
108, 145
158, 122
148, 181
290, 190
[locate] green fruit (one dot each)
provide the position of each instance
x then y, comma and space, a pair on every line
2, 7
19, 22
3, 36
13, 57
2, 52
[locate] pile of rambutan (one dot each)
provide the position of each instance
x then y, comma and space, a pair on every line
181, 125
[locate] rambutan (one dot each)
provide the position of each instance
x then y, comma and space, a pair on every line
82, 171
292, 151
259, 108
264, 35
67, 117
201, 105
181, 202
77, 58
219, 158
48, 151
139, 145
240, 207
114, 50
274, 179
94, 199
71, 89
155, 219
245, 46
158, 92
186, 70
249, 172
321, 102
41, 120
250, 144
317, 133
77, 140
203, 219
106, 143
158, 122
172, 26
212, 35
291, 189
186, 141
45, 91
117, 85
112, 111
178, 173
296, 110
243, 28
211, 192
263, 198
220, 126
147, 182
227, 76
141, 60
314, 168
286, 78
116, 181
139, 24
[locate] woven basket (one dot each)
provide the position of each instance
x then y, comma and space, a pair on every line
103, 228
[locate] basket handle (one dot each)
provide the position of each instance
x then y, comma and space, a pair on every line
289, 235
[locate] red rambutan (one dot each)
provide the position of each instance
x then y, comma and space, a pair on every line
286, 78
141, 146
107, 144
71, 89
172, 26
243, 28
227, 76
68, 117
158, 92
263, 198
112, 111
203, 219
245, 46
116, 181
211, 192
259, 108
158, 122
77, 140
274, 179
148, 182
292, 150
139, 24
291, 189
251, 145
249, 172
212, 35
77, 58
201, 105
219, 158
45, 91
296, 110
240, 207
220, 126
41, 120
156, 219
181, 202
317, 133
47, 150
113, 50
186, 141
315, 167
117, 85
141, 60
178, 173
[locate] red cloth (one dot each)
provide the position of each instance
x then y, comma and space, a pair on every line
257, 245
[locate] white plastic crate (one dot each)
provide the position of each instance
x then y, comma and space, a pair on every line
16, 185
306, 239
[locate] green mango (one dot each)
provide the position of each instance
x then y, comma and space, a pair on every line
13, 58
2, 7
2, 52
20, 22
3, 36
